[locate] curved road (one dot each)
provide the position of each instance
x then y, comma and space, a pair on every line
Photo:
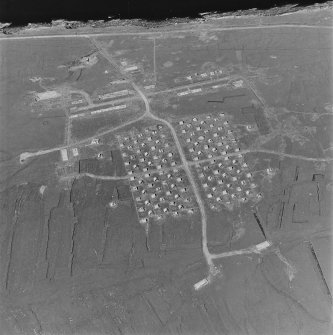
186, 167
189, 174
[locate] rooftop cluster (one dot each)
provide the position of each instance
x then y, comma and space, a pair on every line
161, 193
207, 136
211, 141
227, 182
193, 77
158, 185
151, 149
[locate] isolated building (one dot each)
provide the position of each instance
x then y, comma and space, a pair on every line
47, 95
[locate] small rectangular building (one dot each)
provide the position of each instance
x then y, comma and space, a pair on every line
200, 284
131, 68
47, 95
64, 155
75, 152
263, 245
183, 93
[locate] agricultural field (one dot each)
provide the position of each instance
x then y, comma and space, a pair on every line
173, 180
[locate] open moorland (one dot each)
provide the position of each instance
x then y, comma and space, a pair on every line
176, 180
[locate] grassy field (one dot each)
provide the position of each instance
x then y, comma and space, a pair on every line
21, 62
74, 258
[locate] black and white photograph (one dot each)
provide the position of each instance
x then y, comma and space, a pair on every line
166, 168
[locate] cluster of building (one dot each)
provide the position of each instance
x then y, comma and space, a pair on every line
158, 185
224, 175
95, 158
207, 136
80, 104
227, 182
196, 76
151, 149
162, 193
228, 85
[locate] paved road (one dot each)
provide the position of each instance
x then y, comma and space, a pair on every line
166, 32
195, 189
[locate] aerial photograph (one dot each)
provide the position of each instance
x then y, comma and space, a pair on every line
172, 177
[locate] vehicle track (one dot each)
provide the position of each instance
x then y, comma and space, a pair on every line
25, 155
